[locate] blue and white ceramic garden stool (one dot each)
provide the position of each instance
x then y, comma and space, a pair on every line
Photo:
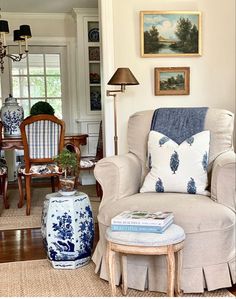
169, 243
68, 230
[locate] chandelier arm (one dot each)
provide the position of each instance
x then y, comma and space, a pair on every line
16, 57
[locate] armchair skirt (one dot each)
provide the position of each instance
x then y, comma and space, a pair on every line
209, 252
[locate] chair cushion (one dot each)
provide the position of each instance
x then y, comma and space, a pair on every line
40, 169
195, 213
87, 162
3, 166
177, 168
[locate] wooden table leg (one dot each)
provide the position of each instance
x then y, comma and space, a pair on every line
21, 194
178, 291
124, 274
111, 268
4, 191
28, 193
170, 271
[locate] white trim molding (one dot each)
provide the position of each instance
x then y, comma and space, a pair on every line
106, 31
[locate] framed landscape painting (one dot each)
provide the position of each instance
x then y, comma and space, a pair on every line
172, 80
170, 33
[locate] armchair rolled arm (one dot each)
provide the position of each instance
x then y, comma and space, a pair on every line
119, 176
223, 180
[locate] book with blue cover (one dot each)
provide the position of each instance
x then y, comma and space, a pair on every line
141, 228
145, 218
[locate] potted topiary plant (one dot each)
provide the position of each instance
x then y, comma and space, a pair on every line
42, 108
68, 163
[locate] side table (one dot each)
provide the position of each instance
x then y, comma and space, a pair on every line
168, 243
67, 230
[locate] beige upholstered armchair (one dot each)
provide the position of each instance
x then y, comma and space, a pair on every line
208, 221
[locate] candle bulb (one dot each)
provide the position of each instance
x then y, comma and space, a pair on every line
20, 47
4, 39
26, 45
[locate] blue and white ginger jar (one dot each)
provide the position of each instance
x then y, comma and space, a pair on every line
11, 115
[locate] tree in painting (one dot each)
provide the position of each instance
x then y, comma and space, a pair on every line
159, 186
173, 83
151, 40
187, 34
191, 187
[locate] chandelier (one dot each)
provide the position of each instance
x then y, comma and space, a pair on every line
20, 36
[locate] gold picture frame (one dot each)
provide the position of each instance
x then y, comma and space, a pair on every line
172, 81
170, 33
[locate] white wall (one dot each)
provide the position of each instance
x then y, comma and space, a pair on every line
43, 24
212, 75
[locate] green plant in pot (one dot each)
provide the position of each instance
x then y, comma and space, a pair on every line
68, 163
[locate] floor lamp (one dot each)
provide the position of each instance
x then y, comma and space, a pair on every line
122, 77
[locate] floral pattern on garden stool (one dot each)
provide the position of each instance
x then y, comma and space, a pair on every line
68, 230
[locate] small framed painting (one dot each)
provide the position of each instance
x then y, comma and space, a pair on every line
170, 33
172, 81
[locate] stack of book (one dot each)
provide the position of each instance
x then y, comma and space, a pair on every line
142, 221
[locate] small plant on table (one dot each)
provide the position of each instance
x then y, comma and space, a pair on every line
68, 163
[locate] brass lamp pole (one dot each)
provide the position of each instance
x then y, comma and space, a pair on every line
122, 77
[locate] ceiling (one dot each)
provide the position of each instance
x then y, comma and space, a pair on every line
45, 6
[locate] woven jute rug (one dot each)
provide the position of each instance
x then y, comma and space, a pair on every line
14, 218
38, 279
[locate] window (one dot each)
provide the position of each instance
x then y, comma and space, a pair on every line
39, 77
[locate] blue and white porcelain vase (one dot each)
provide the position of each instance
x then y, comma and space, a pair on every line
68, 230
11, 115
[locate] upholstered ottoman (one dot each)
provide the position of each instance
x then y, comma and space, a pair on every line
167, 243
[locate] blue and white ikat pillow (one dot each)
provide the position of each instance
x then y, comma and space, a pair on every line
177, 168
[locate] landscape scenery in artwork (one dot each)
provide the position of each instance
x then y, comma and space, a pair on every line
172, 81
170, 33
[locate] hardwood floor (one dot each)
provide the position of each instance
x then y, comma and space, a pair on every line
25, 244
21, 245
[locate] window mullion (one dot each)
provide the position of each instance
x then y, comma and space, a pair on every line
45, 77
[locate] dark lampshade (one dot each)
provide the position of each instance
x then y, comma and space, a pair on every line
25, 31
123, 76
4, 26
16, 35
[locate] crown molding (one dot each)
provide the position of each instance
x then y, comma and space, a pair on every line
84, 11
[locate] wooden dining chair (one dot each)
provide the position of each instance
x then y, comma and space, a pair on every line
3, 175
43, 139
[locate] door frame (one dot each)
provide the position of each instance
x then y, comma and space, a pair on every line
105, 11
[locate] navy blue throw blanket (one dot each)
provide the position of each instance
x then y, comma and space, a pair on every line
179, 123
